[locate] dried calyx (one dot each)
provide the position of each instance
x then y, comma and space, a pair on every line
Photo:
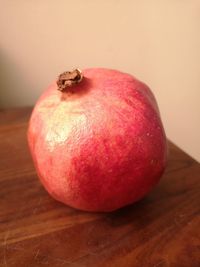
68, 79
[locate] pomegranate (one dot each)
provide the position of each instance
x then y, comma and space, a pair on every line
97, 142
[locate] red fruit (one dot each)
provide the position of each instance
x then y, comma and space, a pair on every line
99, 144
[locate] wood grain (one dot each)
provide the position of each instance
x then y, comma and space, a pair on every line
162, 230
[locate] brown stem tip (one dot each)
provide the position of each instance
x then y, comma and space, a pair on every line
68, 79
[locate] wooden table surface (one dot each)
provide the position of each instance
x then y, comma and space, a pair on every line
162, 230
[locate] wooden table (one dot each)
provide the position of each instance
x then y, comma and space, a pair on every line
163, 230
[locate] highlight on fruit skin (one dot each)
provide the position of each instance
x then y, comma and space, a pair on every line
97, 140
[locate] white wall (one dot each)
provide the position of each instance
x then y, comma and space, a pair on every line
157, 41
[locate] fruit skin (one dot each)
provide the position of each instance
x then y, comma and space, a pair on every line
100, 145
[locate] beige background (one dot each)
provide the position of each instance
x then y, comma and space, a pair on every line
157, 41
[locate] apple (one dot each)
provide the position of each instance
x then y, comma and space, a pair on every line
97, 140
